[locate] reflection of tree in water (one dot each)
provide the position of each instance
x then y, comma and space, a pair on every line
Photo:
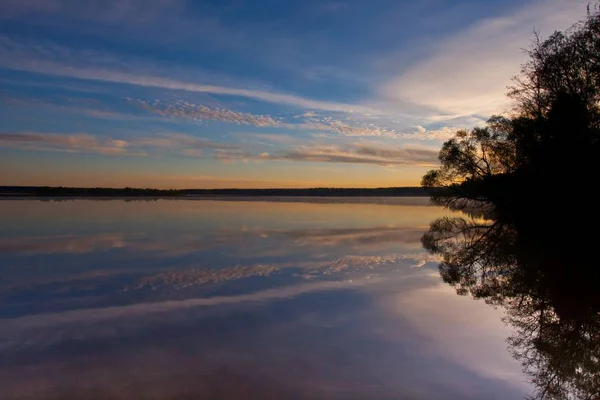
527, 249
550, 291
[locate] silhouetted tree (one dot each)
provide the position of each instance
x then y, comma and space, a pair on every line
564, 63
553, 135
471, 160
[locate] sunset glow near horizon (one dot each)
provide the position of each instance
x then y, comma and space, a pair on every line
223, 94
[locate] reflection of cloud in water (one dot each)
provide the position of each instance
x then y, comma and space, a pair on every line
344, 344
51, 328
74, 244
464, 321
137, 242
139, 254
358, 263
356, 236
195, 276
187, 243
183, 278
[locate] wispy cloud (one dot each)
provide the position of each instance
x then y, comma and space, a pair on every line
83, 143
79, 106
183, 109
52, 59
354, 236
308, 122
422, 133
180, 141
307, 114
469, 72
270, 138
138, 146
191, 146
357, 154
329, 124
323, 116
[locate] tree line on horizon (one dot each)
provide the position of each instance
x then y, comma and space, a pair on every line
48, 191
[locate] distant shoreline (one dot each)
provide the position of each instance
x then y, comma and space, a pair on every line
323, 200
15, 192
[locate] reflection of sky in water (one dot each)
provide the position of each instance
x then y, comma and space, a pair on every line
231, 299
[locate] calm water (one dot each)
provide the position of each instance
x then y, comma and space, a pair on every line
206, 299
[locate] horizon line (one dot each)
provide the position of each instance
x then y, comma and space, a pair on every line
206, 189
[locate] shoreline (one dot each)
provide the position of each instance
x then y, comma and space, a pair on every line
384, 200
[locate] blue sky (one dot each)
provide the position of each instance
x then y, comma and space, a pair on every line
182, 93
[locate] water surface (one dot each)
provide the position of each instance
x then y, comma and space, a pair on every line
215, 299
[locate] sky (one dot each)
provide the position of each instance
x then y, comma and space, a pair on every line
262, 93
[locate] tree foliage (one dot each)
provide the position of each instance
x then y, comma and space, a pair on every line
564, 63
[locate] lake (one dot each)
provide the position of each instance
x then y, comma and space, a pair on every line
239, 299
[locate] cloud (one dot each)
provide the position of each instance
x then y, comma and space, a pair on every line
190, 146
180, 141
465, 76
87, 106
469, 73
51, 59
235, 154
72, 143
279, 138
160, 144
421, 133
26, 331
343, 128
358, 153
182, 109
308, 121
308, 114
